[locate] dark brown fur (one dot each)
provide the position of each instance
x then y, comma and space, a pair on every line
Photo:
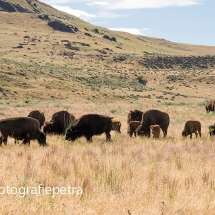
21, 128
134, 115
132, 126
89, 125
212, 130
36, 114
153, 117
209, 106
190, 127
59, 123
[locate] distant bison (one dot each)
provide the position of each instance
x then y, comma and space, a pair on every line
134, 115
209, 106
36, 114
116, 125
155, 129
212, 130
21, 128
153, 117
59, 123
132, 126
89, 125
191, 127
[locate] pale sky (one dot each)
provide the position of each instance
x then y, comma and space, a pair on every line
183, 21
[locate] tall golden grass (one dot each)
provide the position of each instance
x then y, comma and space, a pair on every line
172, 175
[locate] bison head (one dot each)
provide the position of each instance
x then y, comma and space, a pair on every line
48, 127
142, 131
73, 133
42, 139
185, 133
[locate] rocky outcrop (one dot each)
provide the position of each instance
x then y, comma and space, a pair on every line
60, 26
170, 62
109, 38
9, 7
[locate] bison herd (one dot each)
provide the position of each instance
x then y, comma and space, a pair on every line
34, 126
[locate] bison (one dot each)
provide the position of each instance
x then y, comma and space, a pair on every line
36, 114
209, 106
155, 129
89, 125
134, 115
132, 126
59, 123
21, 128
116, 125
212, 130
153, 117
191, 127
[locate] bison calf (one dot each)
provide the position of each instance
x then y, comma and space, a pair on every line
191, 127
155, 129
116, 125
132, 126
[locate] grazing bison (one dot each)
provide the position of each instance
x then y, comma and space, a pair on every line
155, 129
116, 125
191, 127
212, 130
21, 128
209, 106
59, 123
36, 114
132, 126
89, 125
134, 115
153, 117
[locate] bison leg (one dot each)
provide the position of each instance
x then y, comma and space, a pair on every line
190, 135
196, 134
199, 131
5, 140
89, 138
26, 139
108, 137
164, 132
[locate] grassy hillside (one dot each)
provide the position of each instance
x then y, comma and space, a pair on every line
90, 63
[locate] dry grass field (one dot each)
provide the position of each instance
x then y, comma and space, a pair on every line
137, 176
82, 72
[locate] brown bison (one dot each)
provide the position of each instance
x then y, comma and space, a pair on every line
132, 126
89, 125
36, 114
153, 117
134, 115
116, 125
155, 129
21, 128
59, 123
191, 127
209, 106
212, 130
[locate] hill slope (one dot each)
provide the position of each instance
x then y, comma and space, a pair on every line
46, 53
